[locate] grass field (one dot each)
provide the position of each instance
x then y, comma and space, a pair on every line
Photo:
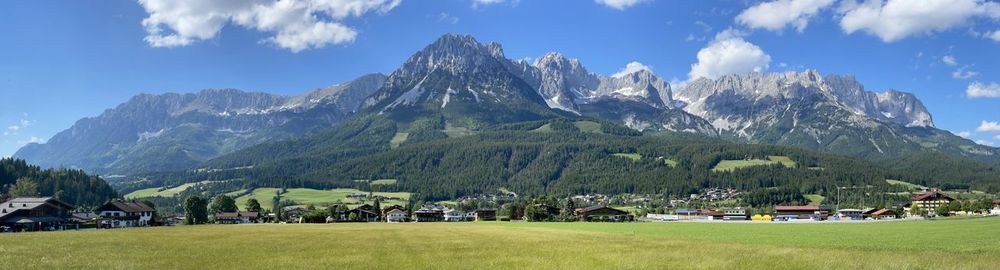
318, 197
588, 126
941, 244
729, 165
156, 192
398, 139
632, 156
908, 185
815, 199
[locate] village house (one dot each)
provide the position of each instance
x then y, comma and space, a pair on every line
851, 214
485, 214
603, 213
931, 200
237, 217
396, 215
710, 214
122, 214
429, 213
454, 215
791, 212
293, 215
34, 214
883, 214
365, 213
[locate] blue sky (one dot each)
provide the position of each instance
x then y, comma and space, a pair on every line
64, 60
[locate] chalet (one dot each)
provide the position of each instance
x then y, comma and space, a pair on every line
396, 215
883, 214
385, 210
429, 213
604, 213
454, 215
931, 200
237, 217
996, 208
735, 214
121, 214
814, 212
485, 214
34, 214
552, 211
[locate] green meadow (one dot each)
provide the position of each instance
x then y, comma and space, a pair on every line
939, 244
729, 165
321, 198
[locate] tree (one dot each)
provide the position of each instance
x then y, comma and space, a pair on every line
195, 210
253, 205
916, 211
352, 216
378, 207
223, 203
24, 187
943, 210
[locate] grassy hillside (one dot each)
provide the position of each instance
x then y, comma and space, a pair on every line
959, 244
729, 165
162, 192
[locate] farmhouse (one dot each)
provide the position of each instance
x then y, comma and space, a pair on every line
34, 214
712, 214
121, 214
603, 213
931, 200
396, 215
883, 214
237, 217
789, 212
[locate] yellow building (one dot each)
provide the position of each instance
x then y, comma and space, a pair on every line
931, 200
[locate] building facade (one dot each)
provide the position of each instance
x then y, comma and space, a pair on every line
122, 214
34, 214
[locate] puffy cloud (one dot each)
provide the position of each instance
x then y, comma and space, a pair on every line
620, 4
295, 25
988, 126
984, 142
949, 60
776, 15
892, 20
981, 90
964, 134
729, 53
31, 139
632, 67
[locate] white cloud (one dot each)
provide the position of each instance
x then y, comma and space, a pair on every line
14, 128
776, 15
964, 134
728, 54
446, 18
995, 36
984, 142
892, 20
620, 4
949, 60
632, 67
295, 25
981, 90
963, 73
988, 126
31, 139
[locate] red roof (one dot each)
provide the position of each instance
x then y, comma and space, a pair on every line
880, 212
798, 208
931, 194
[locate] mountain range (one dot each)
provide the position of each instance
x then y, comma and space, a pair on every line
458, 86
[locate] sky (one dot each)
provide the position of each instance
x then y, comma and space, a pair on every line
61, 61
